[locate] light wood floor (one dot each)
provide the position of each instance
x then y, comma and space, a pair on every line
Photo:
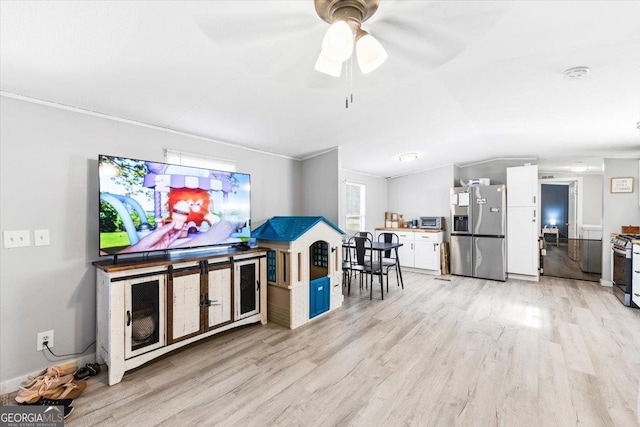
462, 352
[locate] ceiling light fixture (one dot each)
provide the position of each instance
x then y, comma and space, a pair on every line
346, 18
578, 168
576, 73
408, 157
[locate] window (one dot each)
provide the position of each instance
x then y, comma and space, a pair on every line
320, 254
198, 161
354, 207
271, 266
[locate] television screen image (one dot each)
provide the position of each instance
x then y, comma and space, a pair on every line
151, 206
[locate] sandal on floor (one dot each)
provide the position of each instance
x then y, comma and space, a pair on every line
89, 370
70, 390
42, 387
62, 370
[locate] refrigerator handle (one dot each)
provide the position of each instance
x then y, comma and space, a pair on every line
534, 216
534, 200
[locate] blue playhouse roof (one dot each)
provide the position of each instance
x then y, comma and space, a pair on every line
289, 228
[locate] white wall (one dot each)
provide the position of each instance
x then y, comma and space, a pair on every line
320, 185
421, 194
592, 199
376, 198
48, 159
618, 209
495, 170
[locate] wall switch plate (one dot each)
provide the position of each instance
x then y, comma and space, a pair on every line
41, 238
42, 337
16, 239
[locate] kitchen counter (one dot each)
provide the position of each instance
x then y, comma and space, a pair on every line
414, 230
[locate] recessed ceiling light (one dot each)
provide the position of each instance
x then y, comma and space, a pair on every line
576, 73
408, 157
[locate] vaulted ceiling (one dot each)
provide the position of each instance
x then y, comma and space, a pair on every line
465, 81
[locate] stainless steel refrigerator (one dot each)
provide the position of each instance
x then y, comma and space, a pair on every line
478, 224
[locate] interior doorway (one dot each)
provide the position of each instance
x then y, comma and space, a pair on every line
567, 252
554, 202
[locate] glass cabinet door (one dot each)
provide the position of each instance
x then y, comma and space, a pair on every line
247, 288
144, 314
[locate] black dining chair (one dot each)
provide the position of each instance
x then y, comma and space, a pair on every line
390, 258
355, 262
370, 262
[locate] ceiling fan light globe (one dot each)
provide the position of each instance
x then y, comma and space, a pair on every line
370, 53
337, 44
327, 66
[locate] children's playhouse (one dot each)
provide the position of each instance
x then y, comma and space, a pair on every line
304, 267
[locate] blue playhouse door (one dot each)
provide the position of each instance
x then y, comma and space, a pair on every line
319, 296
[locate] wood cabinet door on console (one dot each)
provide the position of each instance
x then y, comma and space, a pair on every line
184, 303
219, 295
246, 288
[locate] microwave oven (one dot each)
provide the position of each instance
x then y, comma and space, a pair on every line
432, 222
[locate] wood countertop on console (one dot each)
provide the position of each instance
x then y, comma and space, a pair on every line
158, 259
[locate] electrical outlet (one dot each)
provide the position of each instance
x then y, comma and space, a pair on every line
41, 237
42, 337
17, 239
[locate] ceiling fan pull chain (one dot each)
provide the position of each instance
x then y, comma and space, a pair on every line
349, 80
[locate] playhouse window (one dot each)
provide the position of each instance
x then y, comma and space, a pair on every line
354, 207
285, 259
271, 266
320, 254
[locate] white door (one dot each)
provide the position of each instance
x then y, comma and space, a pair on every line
573, 222
522, 241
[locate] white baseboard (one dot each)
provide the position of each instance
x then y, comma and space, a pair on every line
607, 283
523, 277
13, 384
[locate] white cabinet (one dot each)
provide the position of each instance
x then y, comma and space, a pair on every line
420, 249
427, 250
148, 307
635, 282
522, 241
406, 251
523, 224
522, 186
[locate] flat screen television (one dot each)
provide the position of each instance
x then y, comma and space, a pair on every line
150, 206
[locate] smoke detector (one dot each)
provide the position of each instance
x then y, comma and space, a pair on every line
576, 73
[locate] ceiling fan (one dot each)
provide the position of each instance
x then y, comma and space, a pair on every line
279, 40
346, 18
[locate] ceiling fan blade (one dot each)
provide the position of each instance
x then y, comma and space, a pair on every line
279, 41
238, 23
432, 33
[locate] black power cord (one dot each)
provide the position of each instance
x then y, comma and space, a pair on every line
45, 344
